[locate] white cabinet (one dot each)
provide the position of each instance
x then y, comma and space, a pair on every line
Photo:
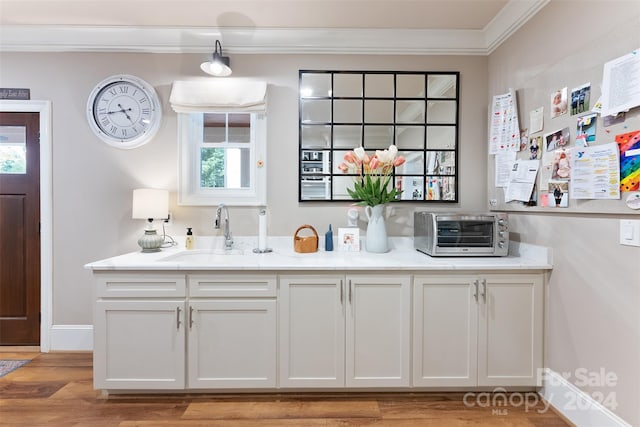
151, 333
337, 331
473, 330
139, 331
232, 340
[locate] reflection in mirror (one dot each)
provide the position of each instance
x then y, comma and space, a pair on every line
440, 188
410, 86
378, 111
439, 137
318, 111
346, 85
347, 111
13, 150
414, 164
378, 85
441, 112
316, 136
312, 84
347, 136
378, 137
340, 185
409, 137
412, 187
410, 112
441, 86
441, 163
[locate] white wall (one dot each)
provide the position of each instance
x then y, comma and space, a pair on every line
593, 310
92, 182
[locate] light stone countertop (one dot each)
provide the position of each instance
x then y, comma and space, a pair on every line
209, 255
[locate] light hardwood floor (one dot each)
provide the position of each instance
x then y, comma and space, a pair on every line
55, 389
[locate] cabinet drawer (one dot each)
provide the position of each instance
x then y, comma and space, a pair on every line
140, 285
232, 285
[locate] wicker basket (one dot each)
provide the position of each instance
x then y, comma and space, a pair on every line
305, 244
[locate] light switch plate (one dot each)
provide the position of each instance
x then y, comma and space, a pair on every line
630, 232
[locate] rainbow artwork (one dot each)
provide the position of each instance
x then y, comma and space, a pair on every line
629, 145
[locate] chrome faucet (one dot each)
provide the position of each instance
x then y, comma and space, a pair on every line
228, 240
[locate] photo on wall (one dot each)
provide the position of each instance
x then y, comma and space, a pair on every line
586, 130
559, 104
558, 194
580, 97
557, 139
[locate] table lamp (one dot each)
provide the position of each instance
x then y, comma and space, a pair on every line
150, 204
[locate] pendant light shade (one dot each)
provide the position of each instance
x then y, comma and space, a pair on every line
219, 65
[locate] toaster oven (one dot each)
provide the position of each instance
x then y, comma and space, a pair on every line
446, 234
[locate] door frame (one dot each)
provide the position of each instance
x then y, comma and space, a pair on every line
46, 210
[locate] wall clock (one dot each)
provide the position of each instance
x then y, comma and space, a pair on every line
124, 111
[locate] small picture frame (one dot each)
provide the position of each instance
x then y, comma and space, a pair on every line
349, 239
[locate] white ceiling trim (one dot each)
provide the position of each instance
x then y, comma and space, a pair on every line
57, 38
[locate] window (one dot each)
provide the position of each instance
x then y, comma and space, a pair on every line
222, 158
13, 150
222, 137
416, 111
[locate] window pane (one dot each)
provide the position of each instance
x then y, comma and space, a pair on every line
215, 127
239, 127
13, 149
225, 167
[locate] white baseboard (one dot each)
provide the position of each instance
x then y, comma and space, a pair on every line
71, 338
576, 405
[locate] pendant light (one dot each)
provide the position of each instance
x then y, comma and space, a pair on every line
219, 65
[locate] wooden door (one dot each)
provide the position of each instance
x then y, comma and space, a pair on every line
19, 229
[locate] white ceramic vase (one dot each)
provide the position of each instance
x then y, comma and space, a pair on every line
376, 240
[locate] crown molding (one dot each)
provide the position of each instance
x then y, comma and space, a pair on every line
240, 40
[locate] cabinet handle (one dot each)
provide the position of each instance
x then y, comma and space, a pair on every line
484, 290
349, 291
178, 317
475, 284
190, 317
341, 292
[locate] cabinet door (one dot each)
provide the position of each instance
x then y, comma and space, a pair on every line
378, 328
139, 344
445, 310
510, 330
311, 331
232, 343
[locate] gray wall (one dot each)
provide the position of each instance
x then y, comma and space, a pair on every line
93, 182
593, 310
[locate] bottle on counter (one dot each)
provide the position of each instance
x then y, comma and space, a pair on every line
188, 242
328, 240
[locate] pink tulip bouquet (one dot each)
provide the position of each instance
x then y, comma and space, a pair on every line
371, 186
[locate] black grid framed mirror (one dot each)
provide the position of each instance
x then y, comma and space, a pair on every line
343, 110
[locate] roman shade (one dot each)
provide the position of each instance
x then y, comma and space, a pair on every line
217, 95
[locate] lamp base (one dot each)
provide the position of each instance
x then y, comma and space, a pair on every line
150, 241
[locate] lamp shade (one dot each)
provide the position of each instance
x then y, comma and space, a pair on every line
150, 203
219, 64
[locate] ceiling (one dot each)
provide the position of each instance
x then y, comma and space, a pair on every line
263, 26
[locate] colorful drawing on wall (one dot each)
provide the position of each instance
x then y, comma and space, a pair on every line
580, 99
586, 130
629, 145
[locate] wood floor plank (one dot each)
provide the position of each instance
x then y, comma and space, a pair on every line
57, 389
259, 410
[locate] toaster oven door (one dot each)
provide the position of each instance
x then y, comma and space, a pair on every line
465, 236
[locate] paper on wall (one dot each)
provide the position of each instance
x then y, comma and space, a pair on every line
522, 178
504, 130
504, 164
595, 172
536, 120
620, 84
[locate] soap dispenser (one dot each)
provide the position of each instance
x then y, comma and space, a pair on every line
188, 242
328, 240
